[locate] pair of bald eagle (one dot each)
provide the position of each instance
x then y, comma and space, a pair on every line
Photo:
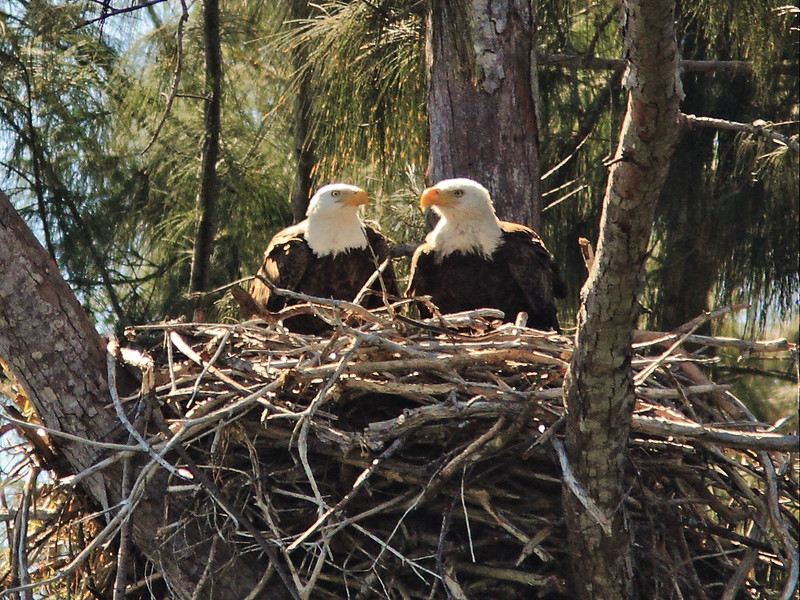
470, 260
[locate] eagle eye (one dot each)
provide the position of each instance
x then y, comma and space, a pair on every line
336, 193
458, 193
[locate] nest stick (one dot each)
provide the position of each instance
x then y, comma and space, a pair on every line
577, 490
359, 483
111, 364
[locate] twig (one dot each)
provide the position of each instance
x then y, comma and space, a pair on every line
473, 359
405, 560
355, 309
426, 418
685, 331
124, 552
739, 577
118, 11
528, 579
576, 489
187, 350
731, 439
170, 363
21, 530
73, 480
447, 517
707, 316
466, 514
651, 393
319, 562
125, 508
70, 437
643, 339
474, 447
111, 364
209, 365
258, 591
207, 571
378, 272
188, 427
226, 505
688, 66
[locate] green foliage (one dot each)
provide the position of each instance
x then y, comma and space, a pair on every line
766, 383
758, 31
725, 228
726, 225
253, 170
366, 62
581, 112
113, 189
54, 126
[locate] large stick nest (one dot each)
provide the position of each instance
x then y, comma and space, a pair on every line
392, 460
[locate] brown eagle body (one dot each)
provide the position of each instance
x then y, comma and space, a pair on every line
519, 277
511, 271
340, 274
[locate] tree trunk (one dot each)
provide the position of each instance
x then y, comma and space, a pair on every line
303, 143
482, 101
49, 346
598, 388
209, 184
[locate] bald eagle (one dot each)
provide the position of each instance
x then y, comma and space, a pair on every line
330, 254
473, 260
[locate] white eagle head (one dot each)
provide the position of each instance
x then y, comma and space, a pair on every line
332, 223
468, 222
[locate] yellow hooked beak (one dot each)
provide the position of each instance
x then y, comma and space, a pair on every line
434, 197
356, 199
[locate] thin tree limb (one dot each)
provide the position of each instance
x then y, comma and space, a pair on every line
176, 79
757, 128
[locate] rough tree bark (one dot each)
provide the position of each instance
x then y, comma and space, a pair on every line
598, 388
482, 101
209, 181
51, 349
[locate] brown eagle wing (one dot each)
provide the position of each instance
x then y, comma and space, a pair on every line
286, 261
534, 270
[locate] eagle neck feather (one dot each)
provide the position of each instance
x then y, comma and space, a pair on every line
480, 236
332, 236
